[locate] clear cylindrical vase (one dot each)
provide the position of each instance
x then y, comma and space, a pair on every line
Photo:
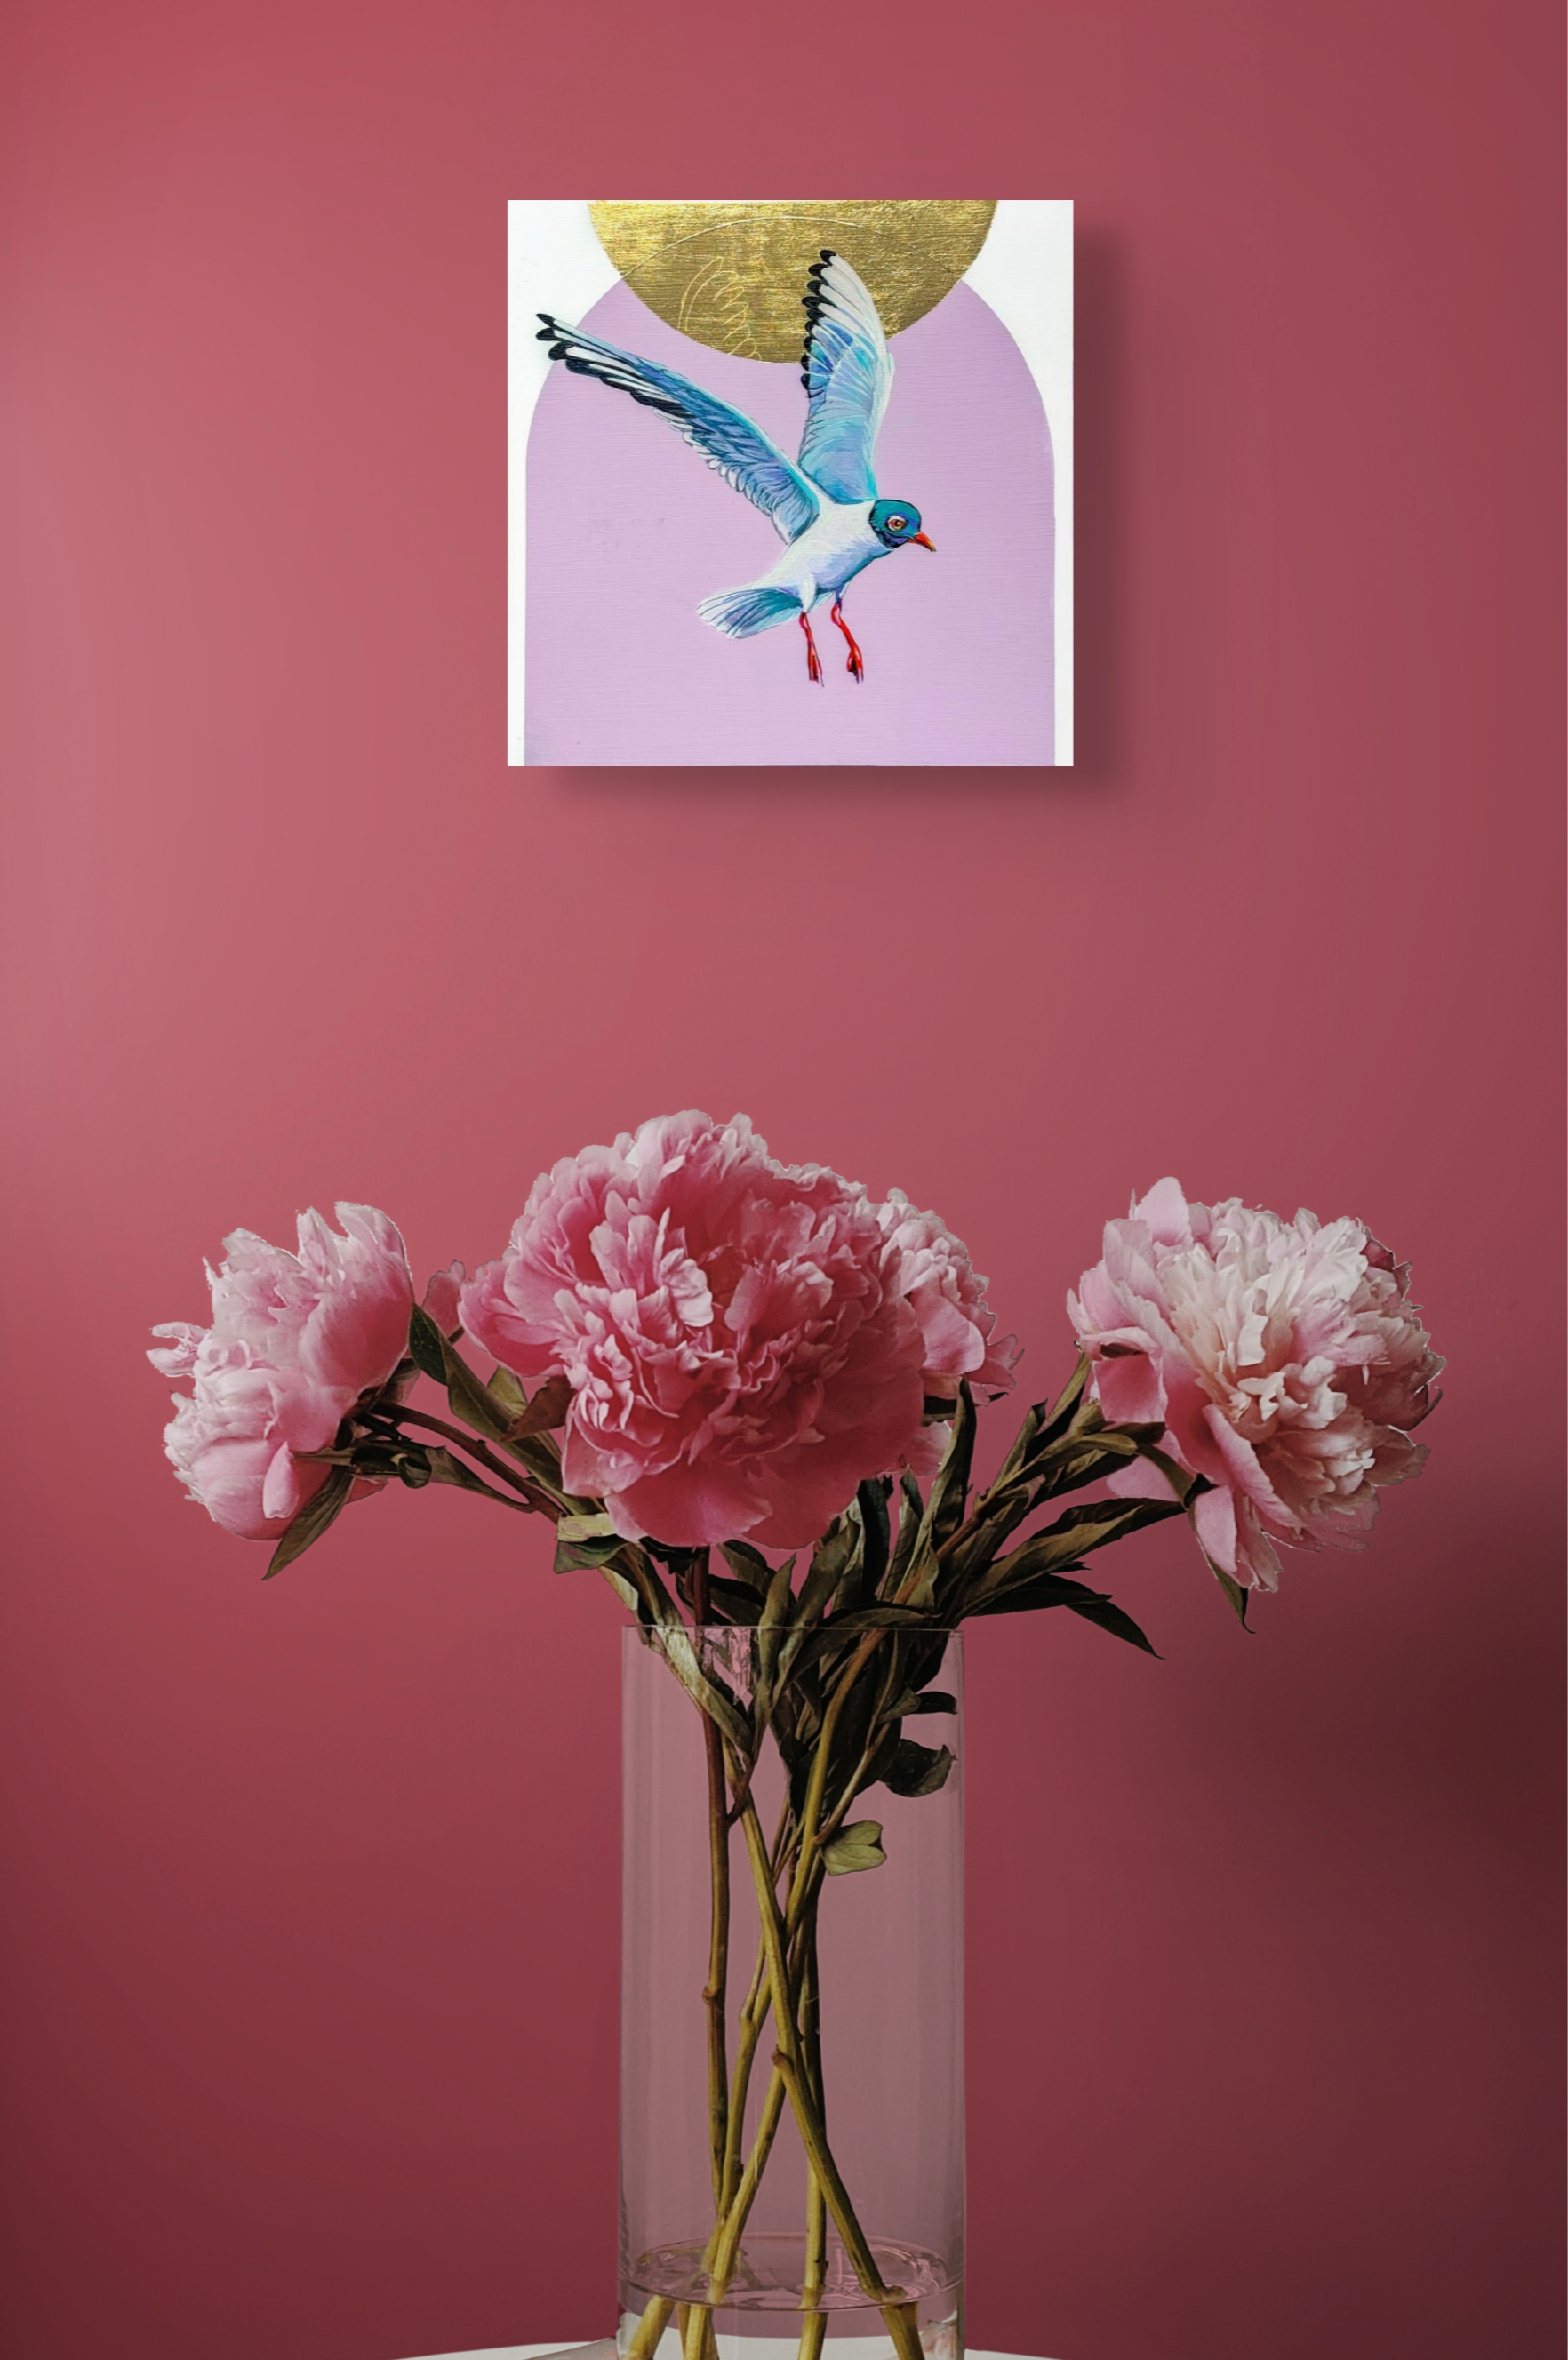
794, 2193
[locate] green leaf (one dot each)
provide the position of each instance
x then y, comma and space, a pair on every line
732, 1602
1025, 1597
1088, 1526
475, 1402
447, 1468
1099, 1521
596, 1527
853, 1848
918, 1769
1233, 1591
323, 1508
876, 1536
1111, 1618
780, 1595
878, 1618
583, 1557
1023, 1444
949, 1492
1064, 1408
777, 1646
919, 1583
681, 1656
832, 1553
747, 1565
934, 1700
1055, 1590
974, 1546
1184, 1487
831, 1560
508, 1390
1082, 1460
627, 1591
538, 1453
546, 1410
911, 1516
425, 1345
585, 1528
911, 1578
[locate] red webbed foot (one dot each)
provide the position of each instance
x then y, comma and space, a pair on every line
813, 661
856, 663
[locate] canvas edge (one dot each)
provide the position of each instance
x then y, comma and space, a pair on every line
1024, 274
550, 242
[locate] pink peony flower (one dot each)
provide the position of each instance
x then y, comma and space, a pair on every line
295, 1340
924, 1262
738, 1360
1284, 1360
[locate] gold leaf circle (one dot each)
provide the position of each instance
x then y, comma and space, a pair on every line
732, 274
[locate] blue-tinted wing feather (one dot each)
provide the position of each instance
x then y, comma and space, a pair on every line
725, 437
846, 369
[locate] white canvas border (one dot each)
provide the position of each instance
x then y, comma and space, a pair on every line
1023, 272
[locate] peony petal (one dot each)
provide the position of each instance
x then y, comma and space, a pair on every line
689, 1508
1245, 1471
281, 1488
1164, 1212
1130, 1389
1139, 1479
1213, 1521
441, 1298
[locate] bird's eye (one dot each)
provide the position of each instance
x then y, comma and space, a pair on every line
897, 524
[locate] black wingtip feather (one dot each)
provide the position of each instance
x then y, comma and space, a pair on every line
812, 303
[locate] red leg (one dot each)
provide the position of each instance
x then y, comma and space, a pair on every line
813, 661
854, 664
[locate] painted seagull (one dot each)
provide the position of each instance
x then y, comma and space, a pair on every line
825, 507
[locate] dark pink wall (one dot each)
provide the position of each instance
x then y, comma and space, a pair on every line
309, 1981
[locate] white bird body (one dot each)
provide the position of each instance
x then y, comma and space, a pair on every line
828, 555
823, 504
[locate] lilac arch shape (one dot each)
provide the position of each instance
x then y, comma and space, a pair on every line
627, 530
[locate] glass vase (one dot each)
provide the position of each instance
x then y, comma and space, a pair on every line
787, 2195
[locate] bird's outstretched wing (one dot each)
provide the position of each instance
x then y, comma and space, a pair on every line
846, 369
725, 437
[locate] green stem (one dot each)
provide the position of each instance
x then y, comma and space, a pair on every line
788, 2064
748, 2033
806, 1856
695, 2322
650, 2327
478, 1451
721, 2259
466, 1482
897, 2309
740, 2185
753, 2016
715, 1990
728, 2230
813, 2326
796, 2076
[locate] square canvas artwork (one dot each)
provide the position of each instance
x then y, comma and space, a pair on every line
790, 482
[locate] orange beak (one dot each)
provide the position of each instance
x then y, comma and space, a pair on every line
924, 542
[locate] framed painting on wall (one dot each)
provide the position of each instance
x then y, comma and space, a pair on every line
875, 564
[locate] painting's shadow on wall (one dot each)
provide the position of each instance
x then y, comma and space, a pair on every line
1100, 531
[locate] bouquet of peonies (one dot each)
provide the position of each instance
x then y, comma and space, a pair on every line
698, 1350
